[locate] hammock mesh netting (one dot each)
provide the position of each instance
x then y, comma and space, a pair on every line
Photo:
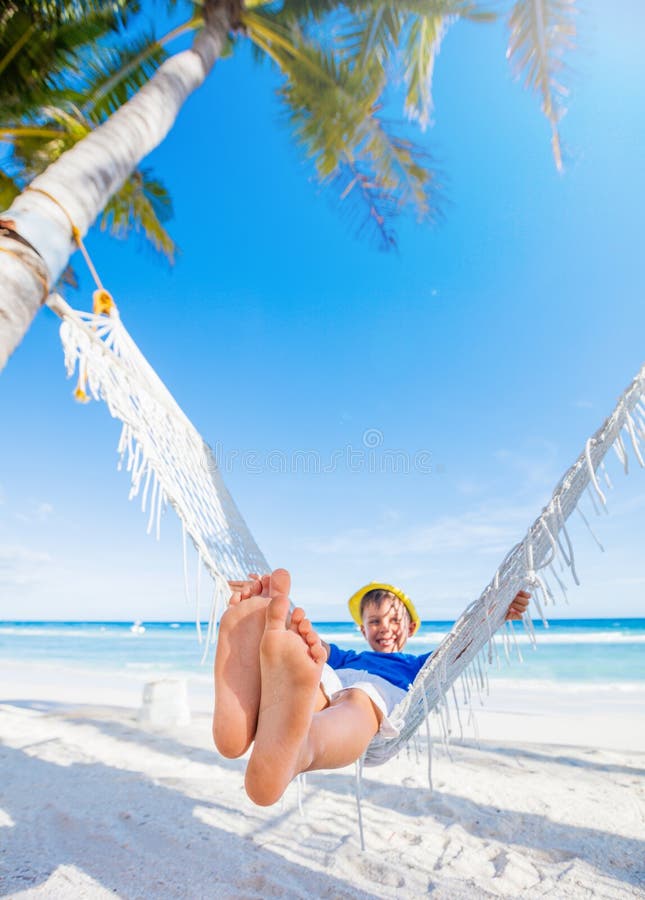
169, 462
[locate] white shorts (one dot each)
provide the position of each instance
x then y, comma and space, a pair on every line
382, 693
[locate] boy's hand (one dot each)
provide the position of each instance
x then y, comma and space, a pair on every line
518, 606
255, 586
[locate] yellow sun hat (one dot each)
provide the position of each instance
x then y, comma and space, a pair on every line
354, 601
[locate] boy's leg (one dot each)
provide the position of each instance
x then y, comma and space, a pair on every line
340, 734
237, 668
291, 736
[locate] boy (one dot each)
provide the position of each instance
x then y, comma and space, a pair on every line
273, 687
387, 618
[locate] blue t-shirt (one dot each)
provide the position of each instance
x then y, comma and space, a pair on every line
398, 668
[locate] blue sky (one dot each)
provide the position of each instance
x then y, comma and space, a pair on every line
492, 344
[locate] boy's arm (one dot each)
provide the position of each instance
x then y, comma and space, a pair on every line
518, 606
336, 657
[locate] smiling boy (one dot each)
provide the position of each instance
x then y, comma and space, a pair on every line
387, 618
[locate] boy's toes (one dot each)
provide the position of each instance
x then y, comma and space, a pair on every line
311, 638
280, 582
235, 598
252, 588
305, 628
278, 608
316, 649
277, 612
297, 617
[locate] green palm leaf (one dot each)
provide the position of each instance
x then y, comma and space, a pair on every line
541, 32
114, 75
317, 10
58, 12
141, 206
37, 55
422, 46
334, 105
34, 150
374, 32
406, 36
9, 190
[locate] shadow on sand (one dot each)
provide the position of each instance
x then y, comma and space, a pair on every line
124, 848
154, 846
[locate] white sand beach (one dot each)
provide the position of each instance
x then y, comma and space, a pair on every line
551, 802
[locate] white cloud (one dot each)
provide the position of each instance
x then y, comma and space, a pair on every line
36, 512
21, 566
486, 530
536, 464
469, 488
624, 505
628, 581
44, 510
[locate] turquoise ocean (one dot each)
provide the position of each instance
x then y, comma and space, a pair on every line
611, 651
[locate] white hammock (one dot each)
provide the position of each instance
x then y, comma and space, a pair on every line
169, 462
166, 457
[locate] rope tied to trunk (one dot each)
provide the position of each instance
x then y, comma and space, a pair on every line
7, 231
102, 301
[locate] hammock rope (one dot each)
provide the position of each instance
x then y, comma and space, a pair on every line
169, 462
164, 454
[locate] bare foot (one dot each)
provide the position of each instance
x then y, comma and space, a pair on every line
300, 624
237, 667
291, 660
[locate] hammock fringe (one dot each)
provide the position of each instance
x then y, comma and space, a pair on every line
166, 458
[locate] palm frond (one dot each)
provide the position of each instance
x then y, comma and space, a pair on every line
301, 11
142, 205
114, 75
541, 33
35, 148
461, 9
9, 190
334, 105
58, 12
37, 61
404, 36
373, 32
422, 44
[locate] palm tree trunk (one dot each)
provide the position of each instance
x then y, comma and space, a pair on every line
35, 231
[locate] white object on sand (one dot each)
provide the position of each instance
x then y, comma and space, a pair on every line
165, 703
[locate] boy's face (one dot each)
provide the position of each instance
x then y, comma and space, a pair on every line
386, 628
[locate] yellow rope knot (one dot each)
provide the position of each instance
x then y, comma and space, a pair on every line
79, 394
103, 302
